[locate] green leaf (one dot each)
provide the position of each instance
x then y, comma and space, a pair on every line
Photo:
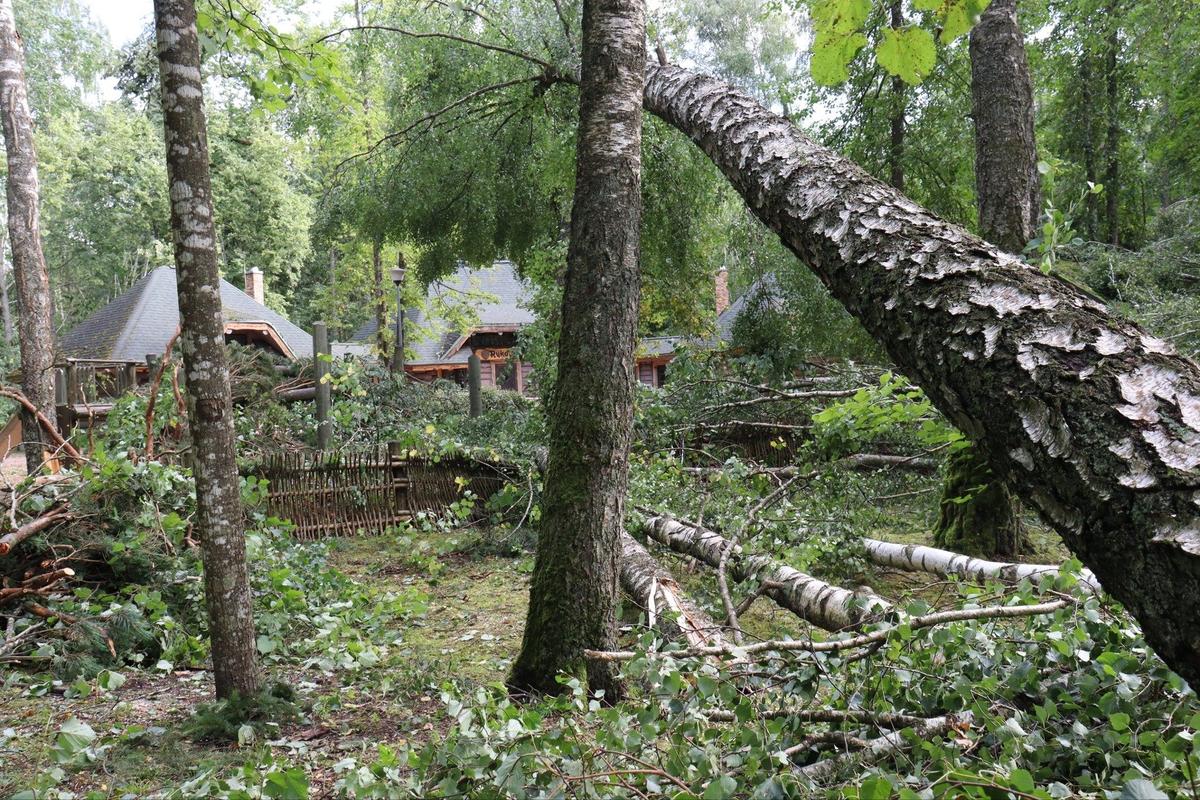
908, 53
1021, 780
1119, 721
720, 788
875, 788
831, 53
73, 738
291, 784
959, 17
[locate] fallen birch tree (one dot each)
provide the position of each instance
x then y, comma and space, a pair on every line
668, 609
917, 558
824, 605
1093, 421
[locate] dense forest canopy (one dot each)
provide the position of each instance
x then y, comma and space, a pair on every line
746, 392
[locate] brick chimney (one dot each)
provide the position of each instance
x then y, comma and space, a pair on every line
722, 290
255, 286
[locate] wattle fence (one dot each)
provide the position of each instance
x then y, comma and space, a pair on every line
368, 490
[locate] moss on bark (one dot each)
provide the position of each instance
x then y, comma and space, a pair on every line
978, 514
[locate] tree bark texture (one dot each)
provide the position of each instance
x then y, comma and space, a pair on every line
1006, 177
1112, 139
916, 558
668, 609
824, 605
1091, 420
210, 408
573, 595
5, 304
381, 326
978, 514
896, 144
35, 334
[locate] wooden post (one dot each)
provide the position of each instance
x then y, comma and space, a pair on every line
399, 474
131, 379
475, 384
321, 369
61, 405
73, 390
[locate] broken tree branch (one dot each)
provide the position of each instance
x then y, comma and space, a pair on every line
10, 540
917, 558
878, 749
47, 426
861, 640
830, 607
670, 610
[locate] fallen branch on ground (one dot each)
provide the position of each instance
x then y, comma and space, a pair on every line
918, 558
882, 719
837, 645
10, 540
878, 749
668, 609
830, 607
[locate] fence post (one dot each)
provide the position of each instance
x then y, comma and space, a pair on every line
320, 370
131, 380
475, 381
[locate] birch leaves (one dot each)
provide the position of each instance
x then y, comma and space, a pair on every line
908, 51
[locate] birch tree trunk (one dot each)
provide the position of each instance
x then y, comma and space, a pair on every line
573, 595
5, 304
668, 609
210, 408
824, 605
36, 323
1092, 421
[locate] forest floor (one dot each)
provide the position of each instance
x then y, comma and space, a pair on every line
468, 635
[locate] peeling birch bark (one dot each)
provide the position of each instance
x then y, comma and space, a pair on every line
1090, 419
35, 334
824, 605
670, 611
202, 339
917, 558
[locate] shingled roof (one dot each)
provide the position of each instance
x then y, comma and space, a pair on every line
142, 320
498, 296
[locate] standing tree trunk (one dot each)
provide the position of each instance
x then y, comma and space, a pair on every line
1112, 139
573, 595
978, 513
1093, 421
5, 304
36, 334
210, 407
1088, 123
381, 329
896, 145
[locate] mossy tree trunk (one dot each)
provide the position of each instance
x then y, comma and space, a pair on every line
979, 515
573, 596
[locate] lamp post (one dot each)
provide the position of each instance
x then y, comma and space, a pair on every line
398, 355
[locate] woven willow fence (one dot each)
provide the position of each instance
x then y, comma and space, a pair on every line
366, 491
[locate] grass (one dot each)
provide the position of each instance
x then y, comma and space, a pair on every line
477, 587
469, 635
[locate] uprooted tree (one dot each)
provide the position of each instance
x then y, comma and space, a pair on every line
1093, 421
